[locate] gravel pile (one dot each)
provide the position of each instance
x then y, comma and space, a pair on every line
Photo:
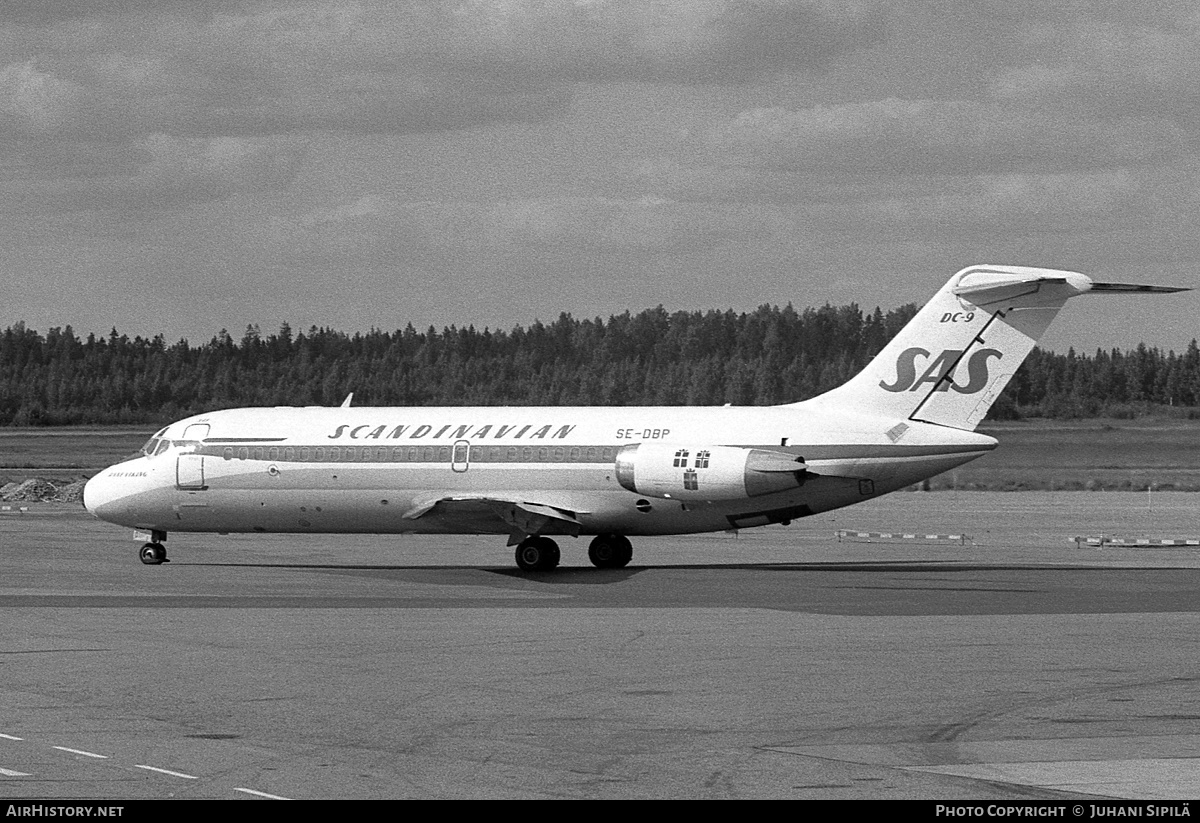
36, 490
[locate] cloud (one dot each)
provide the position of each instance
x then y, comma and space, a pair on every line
165, 172
1143, 63
1021, 203
904, 137
399, 68
35, 102
678, 41
371, 224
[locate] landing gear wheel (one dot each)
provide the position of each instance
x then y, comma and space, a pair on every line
610, 551
537, 554
153, 553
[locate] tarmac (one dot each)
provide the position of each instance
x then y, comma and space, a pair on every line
1013, 664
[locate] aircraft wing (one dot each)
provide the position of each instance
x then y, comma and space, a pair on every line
523, 517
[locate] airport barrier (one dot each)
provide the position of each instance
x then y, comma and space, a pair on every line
869, 537
1102, 541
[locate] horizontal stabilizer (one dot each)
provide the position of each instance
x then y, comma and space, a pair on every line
1135, 288
984, 287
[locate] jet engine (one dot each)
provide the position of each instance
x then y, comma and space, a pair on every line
706, 472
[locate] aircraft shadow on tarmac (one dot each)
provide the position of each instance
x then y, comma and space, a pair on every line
589, 576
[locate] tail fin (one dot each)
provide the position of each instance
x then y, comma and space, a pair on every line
950, 363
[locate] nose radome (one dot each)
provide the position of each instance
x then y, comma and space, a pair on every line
90, 494
97, 492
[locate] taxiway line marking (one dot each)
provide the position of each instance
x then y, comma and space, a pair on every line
11, 773
10, 737
260, 794
81, 751
166, 771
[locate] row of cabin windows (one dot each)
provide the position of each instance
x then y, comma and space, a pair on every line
423, 454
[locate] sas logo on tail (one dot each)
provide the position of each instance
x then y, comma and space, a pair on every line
941, 370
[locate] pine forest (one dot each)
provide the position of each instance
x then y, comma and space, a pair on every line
771, 355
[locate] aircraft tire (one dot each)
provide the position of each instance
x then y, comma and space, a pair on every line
537, 554
152, 554
610, 551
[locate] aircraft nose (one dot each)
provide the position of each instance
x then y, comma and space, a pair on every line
98, 495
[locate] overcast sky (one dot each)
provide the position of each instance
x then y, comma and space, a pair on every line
182, 167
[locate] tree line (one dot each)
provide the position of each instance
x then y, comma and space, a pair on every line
770, 355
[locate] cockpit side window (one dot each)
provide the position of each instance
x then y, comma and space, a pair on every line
163, 445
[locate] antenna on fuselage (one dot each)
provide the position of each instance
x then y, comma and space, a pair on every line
346, 402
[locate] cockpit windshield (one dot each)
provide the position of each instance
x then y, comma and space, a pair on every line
158, 445
155, 445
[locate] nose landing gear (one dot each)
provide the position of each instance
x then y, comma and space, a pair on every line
154, 552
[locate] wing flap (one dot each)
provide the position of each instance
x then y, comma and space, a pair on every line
523, 517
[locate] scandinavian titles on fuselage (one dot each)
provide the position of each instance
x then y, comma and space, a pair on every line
490, 431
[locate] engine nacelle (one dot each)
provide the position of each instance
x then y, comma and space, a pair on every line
706, 472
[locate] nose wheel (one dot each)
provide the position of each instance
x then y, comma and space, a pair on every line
152, 554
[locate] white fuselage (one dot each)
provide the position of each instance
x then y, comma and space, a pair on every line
444, 470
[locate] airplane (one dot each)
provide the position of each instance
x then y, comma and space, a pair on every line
611, 473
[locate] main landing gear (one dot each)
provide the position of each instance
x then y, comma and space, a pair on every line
607, 551
610, 551
537, 554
